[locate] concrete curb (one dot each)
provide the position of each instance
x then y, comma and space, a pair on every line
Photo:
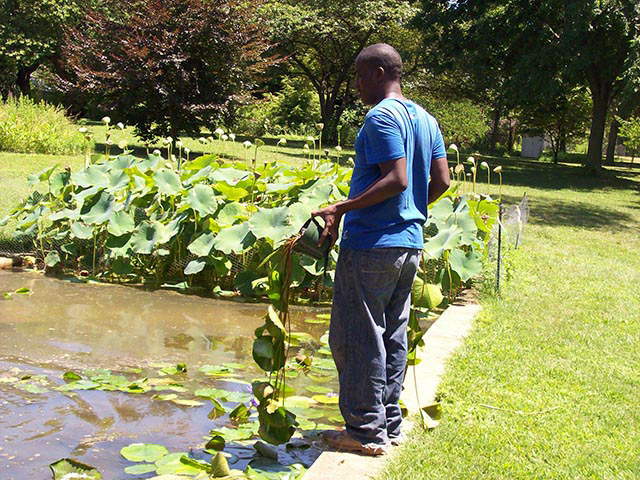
441, 340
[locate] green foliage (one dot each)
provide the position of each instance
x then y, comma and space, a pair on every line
321, 39
30, 34
169, 67
630, 131
36, 127
462, 122
293, 110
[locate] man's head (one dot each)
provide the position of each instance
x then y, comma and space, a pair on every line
378, 67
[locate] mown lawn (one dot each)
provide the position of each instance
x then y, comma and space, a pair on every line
547, 385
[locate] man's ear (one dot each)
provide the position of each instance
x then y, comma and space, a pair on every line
380, 73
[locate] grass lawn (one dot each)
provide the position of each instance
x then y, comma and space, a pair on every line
547, 385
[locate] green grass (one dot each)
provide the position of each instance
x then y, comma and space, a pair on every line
561, 344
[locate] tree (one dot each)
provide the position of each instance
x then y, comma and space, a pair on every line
321, 39
166, 67
624, 106
630, 131
30, 34
463, 42
561, 120
547, 45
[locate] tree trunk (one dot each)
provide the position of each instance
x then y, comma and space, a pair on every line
495, 130
612, 141
598, 120
23, 79
512, 136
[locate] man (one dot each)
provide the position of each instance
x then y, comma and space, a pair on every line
397, 149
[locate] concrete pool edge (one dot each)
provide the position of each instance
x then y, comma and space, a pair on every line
441, 340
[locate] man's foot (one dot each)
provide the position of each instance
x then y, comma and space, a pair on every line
342, 441
400, 439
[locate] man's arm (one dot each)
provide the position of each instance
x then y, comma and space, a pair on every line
440, 179
393, 180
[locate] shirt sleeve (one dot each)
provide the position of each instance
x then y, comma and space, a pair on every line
438, 145
383, 139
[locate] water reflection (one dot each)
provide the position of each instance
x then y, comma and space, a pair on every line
66, 326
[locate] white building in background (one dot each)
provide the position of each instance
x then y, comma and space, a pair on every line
532, 147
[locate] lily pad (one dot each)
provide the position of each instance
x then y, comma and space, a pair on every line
144, 452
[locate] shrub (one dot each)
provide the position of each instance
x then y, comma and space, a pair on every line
37, 127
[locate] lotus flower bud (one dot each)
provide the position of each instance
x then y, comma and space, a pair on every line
498, 169
246, 144
168, 140
232, 136
471, 161
282, 141
122, 145
319, 126
310, 139
305, 146
219, 131
484, 165
82, 129
106, 120
338, 148
210, 139
157, 152
187, 150
202, 140
224, 137
179, 144
459, 168
453, 147
120, 125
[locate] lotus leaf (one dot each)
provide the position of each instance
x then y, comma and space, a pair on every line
216, 443
447, 239
84, 195
195, 266
140, 469
202, 245
203, 200
231, 193
168, 182
120, 223
52, 259
92, 176
276, 427
230, 213
59, 181
425, 294
118, 179
465, 265
81, 231
65, 214
144, 452
42, 176
201, 162
236, 239
102, 210
272, 224
146, 236
171, 465
229, 175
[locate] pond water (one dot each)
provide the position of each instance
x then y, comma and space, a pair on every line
66, 326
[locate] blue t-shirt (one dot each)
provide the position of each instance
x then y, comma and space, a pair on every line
393, 129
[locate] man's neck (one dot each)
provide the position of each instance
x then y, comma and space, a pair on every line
392, 90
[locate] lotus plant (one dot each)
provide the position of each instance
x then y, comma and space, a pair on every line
282, 141
472, 161
485, 166
498, 170
454, 147
246, 145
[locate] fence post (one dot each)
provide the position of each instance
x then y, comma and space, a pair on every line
499, 247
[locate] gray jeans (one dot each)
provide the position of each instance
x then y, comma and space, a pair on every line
368, 337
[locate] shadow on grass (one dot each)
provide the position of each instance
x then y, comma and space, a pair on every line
550, 212
549, 176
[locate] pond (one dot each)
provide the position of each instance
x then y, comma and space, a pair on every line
114, 337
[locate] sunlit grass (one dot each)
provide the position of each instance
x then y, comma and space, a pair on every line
546, 385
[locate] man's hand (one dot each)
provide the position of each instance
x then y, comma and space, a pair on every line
331, 216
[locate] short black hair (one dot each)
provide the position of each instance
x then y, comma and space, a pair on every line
382, 55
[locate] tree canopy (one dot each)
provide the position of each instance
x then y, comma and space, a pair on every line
167, 67
321, 39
